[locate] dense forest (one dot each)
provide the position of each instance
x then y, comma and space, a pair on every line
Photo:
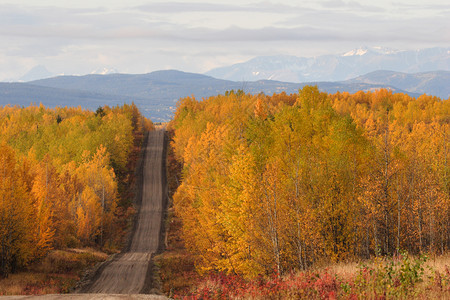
65, 179
284, 182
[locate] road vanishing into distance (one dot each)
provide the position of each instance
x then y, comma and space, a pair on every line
129, 274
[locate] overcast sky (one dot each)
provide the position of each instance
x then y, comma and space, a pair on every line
140, 36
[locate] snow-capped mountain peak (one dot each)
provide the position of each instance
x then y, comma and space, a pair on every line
359, 51
377, 49
337, 67
384, 50
104, 71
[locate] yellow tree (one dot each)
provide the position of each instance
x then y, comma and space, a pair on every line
16, 215
292, 154
98, 198
240, 214
46, 197
198, 199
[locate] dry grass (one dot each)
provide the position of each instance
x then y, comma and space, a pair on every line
57, 273
344, 269
340, 280
176, 272
435, 263
439, 263
88, 250
435, 282
27, 283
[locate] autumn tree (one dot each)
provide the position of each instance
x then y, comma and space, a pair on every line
16, 215
65, 172
282, 182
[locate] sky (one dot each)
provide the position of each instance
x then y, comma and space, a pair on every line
141, 36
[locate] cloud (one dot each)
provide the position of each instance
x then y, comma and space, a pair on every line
189, 7
97, 25
33, 48
13, 15
421, 6
351, 6
184, 7
335, 30
190, 36
266, 34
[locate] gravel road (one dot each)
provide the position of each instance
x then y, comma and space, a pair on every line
128, 272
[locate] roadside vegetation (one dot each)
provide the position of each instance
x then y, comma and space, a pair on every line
67, 182
272, 193
401, 277
57, 273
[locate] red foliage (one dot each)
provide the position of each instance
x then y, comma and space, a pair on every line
301, 285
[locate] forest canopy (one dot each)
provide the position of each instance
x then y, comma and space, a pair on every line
65, 175
283, 182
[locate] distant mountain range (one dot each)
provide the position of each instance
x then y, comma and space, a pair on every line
38, 72
41, 72
335, 67
156, 93
435, 83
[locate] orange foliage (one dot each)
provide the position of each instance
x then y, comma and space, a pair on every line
60, 172
283, 182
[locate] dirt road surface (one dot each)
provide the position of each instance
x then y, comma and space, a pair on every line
86, 297
129, 272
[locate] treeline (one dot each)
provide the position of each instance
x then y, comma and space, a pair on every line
65, 176
283, 182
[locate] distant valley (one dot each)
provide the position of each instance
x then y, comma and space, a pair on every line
156, 93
